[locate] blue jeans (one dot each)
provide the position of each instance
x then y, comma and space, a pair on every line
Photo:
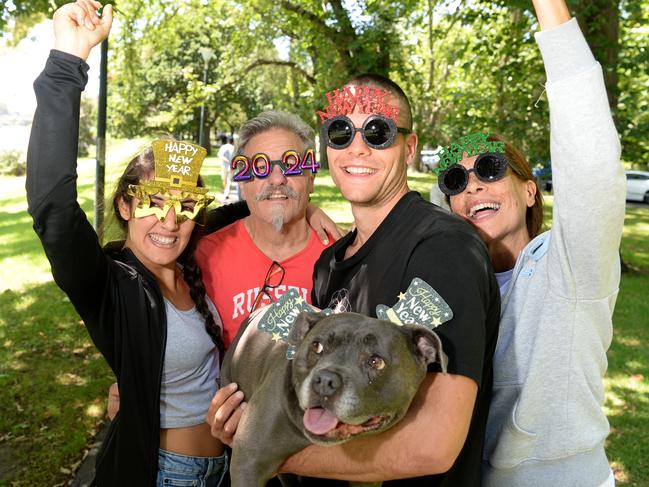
184, 471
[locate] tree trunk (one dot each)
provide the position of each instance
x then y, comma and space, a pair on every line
600, 22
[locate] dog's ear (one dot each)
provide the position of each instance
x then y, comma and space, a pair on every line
429, 345
303, 323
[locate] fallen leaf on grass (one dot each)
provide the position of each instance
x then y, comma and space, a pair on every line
620, 475
635, 378
79, 351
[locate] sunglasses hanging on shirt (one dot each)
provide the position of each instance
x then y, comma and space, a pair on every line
273, 280
378, 132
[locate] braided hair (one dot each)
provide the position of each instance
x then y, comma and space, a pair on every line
141, 168
194, 278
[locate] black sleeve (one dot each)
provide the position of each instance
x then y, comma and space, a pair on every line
456, 265
79, 266
319, 278
325, 278
223, 216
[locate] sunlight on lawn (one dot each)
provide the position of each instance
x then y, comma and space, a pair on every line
95, 411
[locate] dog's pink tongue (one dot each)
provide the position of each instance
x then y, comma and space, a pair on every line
319, 421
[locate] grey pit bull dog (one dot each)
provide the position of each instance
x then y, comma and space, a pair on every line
351, 376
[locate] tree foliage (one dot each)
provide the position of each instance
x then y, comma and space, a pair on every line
477, 70
467, 64
17, 17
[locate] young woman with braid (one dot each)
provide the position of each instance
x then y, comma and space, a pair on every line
142, 300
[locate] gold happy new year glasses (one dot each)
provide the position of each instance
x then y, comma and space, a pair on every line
155, 200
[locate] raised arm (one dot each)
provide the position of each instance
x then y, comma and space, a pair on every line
78, 264
52, 154
587, 177
551, 13
77, 28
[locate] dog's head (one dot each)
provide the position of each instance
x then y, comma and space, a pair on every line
355, 375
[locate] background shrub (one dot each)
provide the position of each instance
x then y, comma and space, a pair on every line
12, 163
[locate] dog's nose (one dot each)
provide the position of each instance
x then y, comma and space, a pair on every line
326, 383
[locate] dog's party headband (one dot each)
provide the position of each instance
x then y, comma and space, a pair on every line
368, 99
177, 166
419, 305
472, 145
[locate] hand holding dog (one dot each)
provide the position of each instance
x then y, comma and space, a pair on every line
225, 412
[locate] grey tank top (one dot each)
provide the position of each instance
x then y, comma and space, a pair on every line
191, 373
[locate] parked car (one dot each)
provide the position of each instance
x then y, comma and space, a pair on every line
543, 177
430, 159
637, 186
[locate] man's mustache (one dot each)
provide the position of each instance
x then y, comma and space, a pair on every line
274, 189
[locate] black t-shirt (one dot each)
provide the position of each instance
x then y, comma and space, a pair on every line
420, 240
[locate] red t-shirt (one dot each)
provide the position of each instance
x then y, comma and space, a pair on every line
234, 270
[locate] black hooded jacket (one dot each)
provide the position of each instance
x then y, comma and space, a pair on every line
118, 299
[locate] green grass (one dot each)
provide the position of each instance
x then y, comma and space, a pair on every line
51, 378
635, 246
627, 384
54, 382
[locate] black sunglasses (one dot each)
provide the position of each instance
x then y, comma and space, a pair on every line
274, 278
488, 167
378, 132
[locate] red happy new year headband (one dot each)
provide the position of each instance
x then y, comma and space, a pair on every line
368, 99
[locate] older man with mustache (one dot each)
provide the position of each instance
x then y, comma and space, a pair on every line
256, 260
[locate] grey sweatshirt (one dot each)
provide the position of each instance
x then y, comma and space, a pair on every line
546, 425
